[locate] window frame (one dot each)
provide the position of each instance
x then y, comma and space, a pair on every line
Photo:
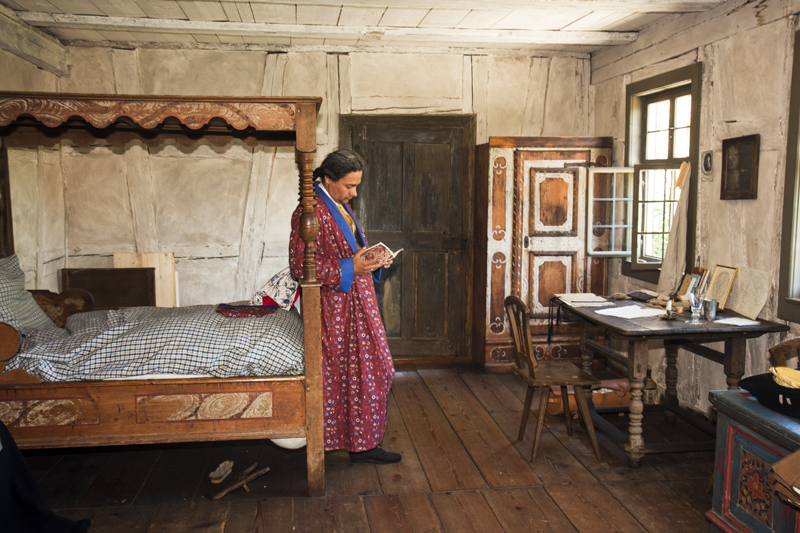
637, 95
789, 304
614, 200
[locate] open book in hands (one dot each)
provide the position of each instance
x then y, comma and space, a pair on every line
380, 252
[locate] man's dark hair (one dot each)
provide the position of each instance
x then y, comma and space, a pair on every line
339, 164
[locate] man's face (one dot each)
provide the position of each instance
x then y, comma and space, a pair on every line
343, 190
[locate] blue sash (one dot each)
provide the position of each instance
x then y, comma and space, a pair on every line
340, 220
346, 265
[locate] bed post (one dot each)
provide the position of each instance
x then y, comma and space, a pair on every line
6, 229
305, 146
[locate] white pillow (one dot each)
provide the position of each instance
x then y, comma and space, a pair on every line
280, 290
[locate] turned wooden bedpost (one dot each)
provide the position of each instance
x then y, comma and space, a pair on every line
305, 146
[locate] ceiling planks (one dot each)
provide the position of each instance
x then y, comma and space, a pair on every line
581, 26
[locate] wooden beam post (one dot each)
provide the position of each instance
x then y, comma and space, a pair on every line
31, 44
6, 226
305, 146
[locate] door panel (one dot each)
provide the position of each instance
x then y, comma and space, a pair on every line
414, 196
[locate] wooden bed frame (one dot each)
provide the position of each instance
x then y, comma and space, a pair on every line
68, 414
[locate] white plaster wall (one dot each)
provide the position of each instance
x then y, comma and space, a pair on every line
19, 75
199, 196
746, 83
98, 210
25, 211
38, 210
225, 212
52, 221
200, 72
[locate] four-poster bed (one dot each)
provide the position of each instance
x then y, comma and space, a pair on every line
91, 413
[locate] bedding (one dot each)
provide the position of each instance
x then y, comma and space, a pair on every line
150, 340
19, 310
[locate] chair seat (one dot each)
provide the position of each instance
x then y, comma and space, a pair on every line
556, 373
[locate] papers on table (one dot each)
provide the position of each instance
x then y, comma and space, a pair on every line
737, 321
631, 312
584, 299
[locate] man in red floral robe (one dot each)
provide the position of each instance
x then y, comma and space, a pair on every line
357, 367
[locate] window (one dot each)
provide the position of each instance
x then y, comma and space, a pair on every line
609, 212
662, 132
789, 284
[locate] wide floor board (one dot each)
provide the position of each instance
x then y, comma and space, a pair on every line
462, 470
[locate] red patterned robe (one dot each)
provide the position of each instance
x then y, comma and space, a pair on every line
357, 368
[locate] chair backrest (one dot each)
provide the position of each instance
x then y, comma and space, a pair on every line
520, 322
779, 352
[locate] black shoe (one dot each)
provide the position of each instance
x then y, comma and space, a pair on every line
375, 455
82, 526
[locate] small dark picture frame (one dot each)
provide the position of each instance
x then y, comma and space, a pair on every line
740, 168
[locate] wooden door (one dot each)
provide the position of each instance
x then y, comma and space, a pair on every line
415, 196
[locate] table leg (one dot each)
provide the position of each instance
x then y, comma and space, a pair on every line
637, 370
735, 354
671, 378
588, 331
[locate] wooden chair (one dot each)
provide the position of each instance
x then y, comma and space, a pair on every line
779, 352
543, 375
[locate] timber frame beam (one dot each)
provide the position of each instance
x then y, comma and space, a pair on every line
32, 44
374, 34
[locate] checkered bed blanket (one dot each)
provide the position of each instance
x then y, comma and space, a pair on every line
150, 340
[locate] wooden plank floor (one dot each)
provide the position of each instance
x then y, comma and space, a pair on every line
462, 470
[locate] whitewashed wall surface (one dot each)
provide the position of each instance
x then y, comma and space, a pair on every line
225, 212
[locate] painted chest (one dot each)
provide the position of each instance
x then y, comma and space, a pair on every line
750, 439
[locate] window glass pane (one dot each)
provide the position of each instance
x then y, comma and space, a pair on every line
651, 217
623, 185
653, 185
651, 247
657, 135
657, 146
621, 238
611, 199
656, 208
658, 115
683, 111
680, 143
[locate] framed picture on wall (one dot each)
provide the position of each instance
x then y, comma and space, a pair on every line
740, 168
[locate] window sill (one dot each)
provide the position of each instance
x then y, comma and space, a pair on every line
649, 276
789, 309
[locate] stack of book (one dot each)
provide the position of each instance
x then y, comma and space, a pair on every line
584, 299
697, 279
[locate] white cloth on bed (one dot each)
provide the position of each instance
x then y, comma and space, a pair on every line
151, 340
281, 290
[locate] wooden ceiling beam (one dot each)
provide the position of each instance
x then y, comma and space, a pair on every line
31, 44
374, 34
643, 6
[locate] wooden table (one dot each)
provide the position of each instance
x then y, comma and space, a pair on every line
675, 334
